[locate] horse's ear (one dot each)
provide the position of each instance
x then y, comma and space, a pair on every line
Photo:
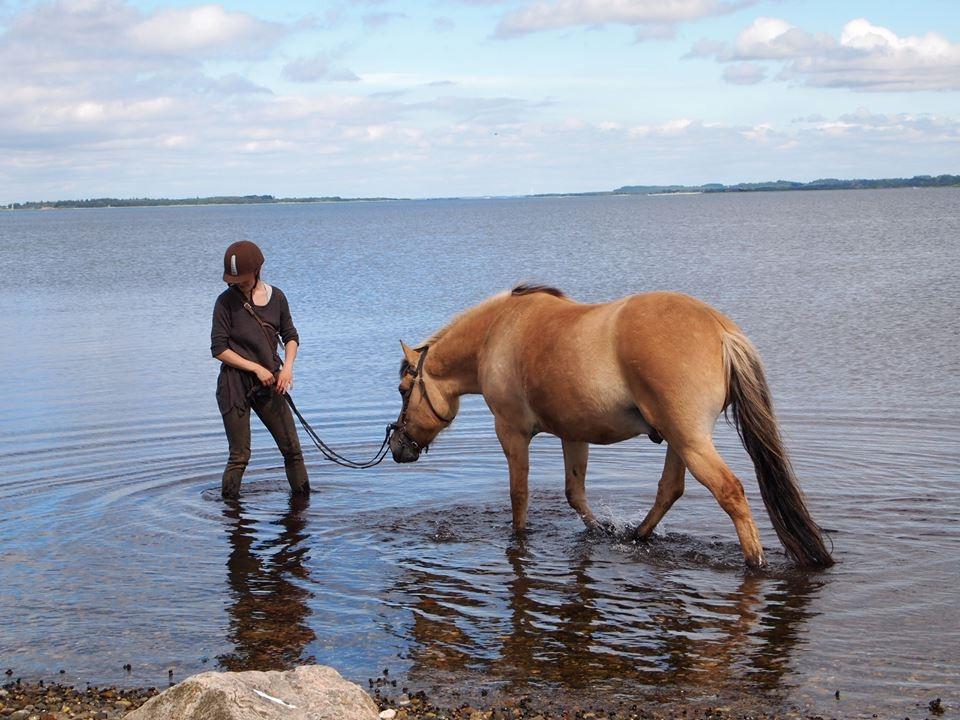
409, 353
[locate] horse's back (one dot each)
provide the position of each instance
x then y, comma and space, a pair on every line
550, 363
606, 371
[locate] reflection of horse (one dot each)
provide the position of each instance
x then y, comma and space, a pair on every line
268, 610
574, 627
661, 364
669, 635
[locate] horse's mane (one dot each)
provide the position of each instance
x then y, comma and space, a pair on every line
527, 289
522, 289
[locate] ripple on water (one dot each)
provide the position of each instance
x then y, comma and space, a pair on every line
115, 547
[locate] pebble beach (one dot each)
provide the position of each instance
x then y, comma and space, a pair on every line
53, 701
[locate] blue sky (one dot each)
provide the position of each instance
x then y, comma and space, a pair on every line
470, 97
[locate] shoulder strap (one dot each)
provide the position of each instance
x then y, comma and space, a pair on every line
269, 330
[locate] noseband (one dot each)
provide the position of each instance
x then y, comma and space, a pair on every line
416, 373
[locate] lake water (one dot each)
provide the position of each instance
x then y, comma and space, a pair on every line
115, 547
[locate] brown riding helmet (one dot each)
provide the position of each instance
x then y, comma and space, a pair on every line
241, 262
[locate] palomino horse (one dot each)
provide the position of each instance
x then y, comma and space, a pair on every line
661, 364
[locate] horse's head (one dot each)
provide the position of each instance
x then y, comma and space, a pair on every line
425, 411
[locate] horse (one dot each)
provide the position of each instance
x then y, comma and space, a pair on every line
663, 364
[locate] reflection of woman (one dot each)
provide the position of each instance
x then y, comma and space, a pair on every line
268, 609
247, 318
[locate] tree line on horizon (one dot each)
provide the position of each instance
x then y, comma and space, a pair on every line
769, 186
821, 184
154, 202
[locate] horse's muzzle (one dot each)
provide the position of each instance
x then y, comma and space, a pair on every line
403, 448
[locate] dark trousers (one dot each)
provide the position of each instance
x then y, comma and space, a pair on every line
273, 410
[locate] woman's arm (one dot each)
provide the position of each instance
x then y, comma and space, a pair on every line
285, 378
235, 359
291, 343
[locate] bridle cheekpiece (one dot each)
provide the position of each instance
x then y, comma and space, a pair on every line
417, 375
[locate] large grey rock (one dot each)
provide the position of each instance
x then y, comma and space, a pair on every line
310, 692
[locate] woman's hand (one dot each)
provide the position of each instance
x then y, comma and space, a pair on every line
285, 379
264, 376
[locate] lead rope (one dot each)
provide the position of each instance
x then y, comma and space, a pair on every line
328, 452
332, 455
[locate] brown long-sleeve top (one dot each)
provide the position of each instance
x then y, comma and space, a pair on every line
236, 329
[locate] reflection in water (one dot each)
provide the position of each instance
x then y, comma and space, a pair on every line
268, 591
581, 624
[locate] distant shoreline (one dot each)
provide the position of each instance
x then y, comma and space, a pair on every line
918, 181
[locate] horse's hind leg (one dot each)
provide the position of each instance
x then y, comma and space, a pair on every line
668, 492
709, 468
575, 469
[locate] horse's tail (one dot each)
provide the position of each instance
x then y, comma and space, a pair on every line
749, 403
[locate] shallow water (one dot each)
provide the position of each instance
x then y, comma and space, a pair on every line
115, 548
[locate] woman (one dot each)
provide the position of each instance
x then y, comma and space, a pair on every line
247, 318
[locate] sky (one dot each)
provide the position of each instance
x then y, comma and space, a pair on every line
368, 98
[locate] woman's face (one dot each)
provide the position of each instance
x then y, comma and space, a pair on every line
247, 286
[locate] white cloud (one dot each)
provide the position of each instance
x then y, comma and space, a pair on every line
203, 30
864, 56
87, 111
660, 15
772, 39
357, 146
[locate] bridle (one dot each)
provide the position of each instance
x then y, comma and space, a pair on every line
417, 375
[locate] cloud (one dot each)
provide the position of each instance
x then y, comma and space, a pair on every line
744, 73
231, 84
316, 68
108, 42
659, 15
656, 31
204, 30
82, 72
354, 145
88, 110
864, 57
484, 111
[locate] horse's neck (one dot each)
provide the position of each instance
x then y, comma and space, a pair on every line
453, 359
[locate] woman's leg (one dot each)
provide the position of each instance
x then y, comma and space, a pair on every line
275, 414
237, 424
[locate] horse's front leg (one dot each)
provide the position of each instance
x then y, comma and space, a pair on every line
575, 468
516, 446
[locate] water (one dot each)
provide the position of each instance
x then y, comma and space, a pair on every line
114, 547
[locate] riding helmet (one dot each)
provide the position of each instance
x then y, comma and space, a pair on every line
241, 262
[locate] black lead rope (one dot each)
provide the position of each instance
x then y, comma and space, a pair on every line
328, 452
332, 455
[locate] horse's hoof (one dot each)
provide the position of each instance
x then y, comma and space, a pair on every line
602, 529
638, 536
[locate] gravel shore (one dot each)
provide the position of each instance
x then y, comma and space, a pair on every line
50, 701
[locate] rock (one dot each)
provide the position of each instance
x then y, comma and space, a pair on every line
388, 714
310, 692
